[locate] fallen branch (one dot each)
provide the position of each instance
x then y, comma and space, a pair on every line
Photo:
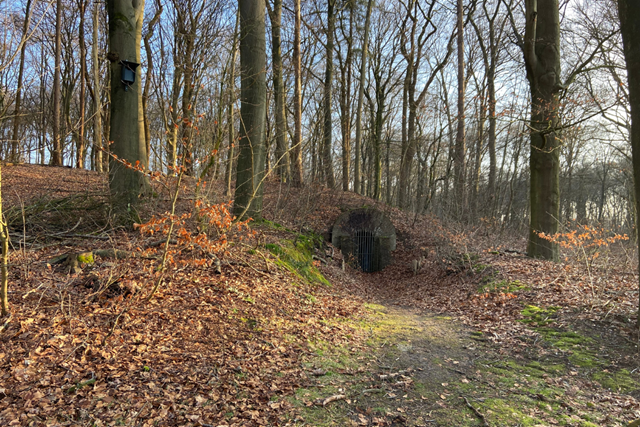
326, 401
162, 242
80, 236
475, 411
324, 261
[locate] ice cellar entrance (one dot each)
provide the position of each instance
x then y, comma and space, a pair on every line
366, 237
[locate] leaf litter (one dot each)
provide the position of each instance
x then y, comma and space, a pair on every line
226, 349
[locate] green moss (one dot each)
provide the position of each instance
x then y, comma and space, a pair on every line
479, 268
620, 381
467, 257
504, 413
374, 307
503, 286
297, 257
537, 369
578, 348
538, 316
85, 258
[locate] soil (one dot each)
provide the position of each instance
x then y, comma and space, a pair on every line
421, 369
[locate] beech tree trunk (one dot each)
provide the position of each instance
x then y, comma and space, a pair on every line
327, 156
253, 105
459, 158
296, 146
231, 107
127, 123
80, 144
97, 91
542, 59
149, 75
629, 11
282, 156
363, 72
15, 139
56, 155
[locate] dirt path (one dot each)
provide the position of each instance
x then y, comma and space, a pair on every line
421, 369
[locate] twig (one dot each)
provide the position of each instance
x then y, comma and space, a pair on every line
161, 242
115, 323
79, 236
326, 401
165, 252
65, 232
475, 411
133, 422
6, 323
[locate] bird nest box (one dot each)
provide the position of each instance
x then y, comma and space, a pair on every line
366, 237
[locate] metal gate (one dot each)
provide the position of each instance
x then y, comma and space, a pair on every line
365, 250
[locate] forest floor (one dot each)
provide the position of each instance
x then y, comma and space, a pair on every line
266, 327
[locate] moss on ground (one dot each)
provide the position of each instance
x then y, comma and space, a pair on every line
504, 286
439, 369
537, 316
297, 257
620, 381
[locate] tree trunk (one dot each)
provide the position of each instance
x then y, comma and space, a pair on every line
15, 139
363, 76
97, 90
459, 158
282, 155
296, 145
188, 33
127, 126
253, 97
231, 107
149, 76
629, 11
346, 97
327, 147
56, 156
80, 145
172, 132
542, 59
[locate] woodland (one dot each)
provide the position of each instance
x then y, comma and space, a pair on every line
171, 170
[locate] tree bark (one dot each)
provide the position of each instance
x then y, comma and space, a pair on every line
459, 158
363, 75
253, 97
15, 139
542, 59
231, 107
282, 154
327, 148
56, 155
97, 90
172, 132
80, 144
629, 12
149, 75
127, 125
296, 146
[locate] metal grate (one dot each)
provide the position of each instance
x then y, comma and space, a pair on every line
365, 250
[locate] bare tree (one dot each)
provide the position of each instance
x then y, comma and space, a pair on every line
253, 97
